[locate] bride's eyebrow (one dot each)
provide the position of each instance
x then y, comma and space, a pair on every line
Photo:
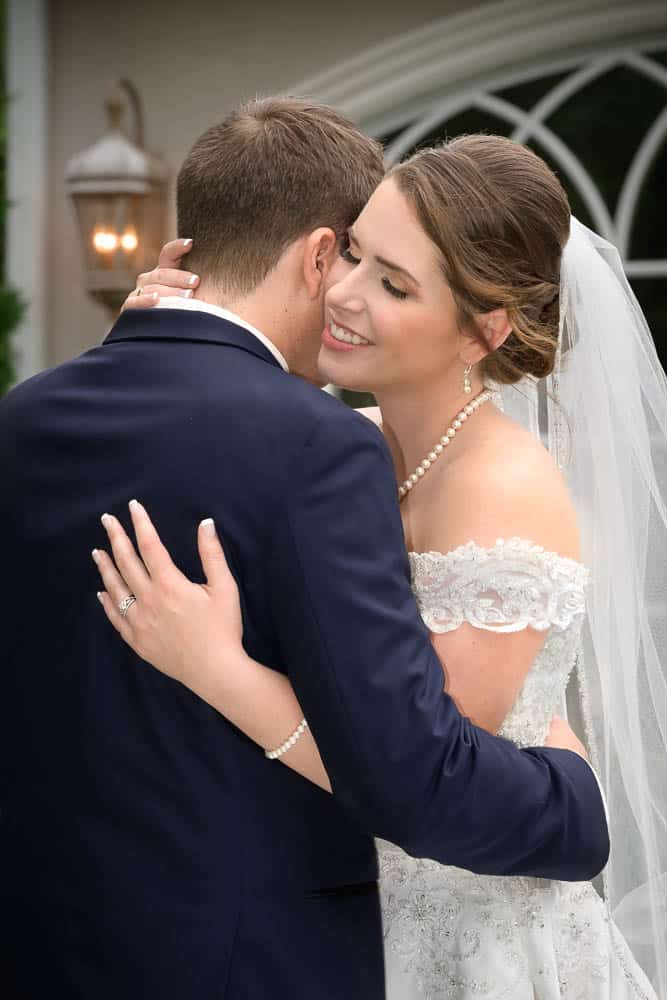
383, 260
399, 270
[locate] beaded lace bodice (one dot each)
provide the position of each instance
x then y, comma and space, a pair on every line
452, 935
508, 587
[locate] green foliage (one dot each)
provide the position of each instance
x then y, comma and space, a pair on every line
11, 311
357, 400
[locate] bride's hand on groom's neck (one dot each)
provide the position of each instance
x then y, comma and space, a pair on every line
164, 280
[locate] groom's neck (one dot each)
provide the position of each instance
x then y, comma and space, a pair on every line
260, 309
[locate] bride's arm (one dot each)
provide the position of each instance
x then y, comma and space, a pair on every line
261, 703
193, 633
518, 495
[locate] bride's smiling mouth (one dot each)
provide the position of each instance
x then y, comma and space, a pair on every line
340, 338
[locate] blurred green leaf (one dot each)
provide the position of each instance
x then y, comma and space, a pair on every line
11, 312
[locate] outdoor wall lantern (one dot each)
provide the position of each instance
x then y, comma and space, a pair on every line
119, 193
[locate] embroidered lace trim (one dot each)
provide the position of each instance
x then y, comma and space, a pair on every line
506, 588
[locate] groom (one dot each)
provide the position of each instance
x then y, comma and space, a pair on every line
147, 848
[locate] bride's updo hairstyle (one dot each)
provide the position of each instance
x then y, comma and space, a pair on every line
500, 219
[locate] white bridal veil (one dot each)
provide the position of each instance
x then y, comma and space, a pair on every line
603, 415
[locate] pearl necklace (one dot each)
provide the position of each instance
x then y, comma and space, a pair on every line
443, 443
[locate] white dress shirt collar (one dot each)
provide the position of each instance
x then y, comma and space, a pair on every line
197, 305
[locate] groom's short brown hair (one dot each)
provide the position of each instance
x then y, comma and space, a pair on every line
272, 171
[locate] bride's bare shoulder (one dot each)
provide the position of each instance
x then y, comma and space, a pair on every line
504, 484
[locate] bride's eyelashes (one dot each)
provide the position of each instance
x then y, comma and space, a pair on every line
346, 253
396, 292
349, 257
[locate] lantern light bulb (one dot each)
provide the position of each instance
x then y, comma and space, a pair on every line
129, 241
105, 242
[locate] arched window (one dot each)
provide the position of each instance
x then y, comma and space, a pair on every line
593, 107
602, 125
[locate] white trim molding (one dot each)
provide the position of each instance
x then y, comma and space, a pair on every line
27, 89
469, 49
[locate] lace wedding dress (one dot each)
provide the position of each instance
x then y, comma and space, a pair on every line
449, 933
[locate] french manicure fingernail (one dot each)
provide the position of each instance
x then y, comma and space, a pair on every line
95, 554
208, 526
134, 505
99, 596
186, 243
187, 294
153, 296
105, 519
193, 279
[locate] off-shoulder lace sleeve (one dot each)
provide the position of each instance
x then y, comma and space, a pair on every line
505, 588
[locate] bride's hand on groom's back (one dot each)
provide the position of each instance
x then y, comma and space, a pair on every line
166, 279
173, 623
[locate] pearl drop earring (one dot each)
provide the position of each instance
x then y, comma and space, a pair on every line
467, 384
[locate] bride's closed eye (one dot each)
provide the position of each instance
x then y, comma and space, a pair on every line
396, 292
349, 257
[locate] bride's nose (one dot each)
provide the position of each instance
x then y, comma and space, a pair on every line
345, 295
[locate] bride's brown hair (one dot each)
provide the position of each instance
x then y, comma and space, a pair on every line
500, 218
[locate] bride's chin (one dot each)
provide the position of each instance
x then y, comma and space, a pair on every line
343, 379
341, 382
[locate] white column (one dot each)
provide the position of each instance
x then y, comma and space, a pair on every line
27, 74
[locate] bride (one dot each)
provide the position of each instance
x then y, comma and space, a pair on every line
521, 398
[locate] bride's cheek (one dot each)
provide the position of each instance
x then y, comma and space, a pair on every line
339, 270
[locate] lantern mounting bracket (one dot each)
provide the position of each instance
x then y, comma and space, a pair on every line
122, 95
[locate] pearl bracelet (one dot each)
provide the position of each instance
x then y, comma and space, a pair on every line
288, 744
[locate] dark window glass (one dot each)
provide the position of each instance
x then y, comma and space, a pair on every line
604, 123
649, 232
470, 120
652, 295
526, 95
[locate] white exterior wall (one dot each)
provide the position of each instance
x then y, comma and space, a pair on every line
191, 62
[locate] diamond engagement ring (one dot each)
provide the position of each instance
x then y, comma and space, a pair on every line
126, 604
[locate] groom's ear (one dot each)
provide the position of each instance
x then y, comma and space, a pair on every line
319, 252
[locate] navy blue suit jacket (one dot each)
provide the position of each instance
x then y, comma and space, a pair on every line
147, 847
